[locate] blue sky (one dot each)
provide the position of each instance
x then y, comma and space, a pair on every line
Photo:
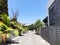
29, 10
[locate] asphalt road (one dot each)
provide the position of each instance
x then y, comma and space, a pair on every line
30, 38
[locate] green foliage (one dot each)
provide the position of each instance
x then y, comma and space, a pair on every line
3, 7
1, 3
5, 19
24, 29
16, 26
12, 31
3, 27
31, 27
7, 28
38, 24
16, 32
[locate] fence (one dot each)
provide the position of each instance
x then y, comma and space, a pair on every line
51, 34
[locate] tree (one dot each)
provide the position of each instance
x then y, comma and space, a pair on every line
31, 27
3, 27
38, 24
3, 6
5, 19
15, 15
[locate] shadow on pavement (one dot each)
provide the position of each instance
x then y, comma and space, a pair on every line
7, 43
12, 42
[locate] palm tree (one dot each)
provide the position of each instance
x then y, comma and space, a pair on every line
5, 19
3, 27
4, 24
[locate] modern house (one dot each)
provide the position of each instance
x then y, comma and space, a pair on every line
53, 17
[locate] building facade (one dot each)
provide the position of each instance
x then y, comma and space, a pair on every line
54, 13
51, 33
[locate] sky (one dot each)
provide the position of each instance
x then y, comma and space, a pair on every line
29, 10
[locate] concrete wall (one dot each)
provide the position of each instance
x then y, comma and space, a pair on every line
51, 34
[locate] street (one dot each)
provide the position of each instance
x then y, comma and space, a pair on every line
30, 38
